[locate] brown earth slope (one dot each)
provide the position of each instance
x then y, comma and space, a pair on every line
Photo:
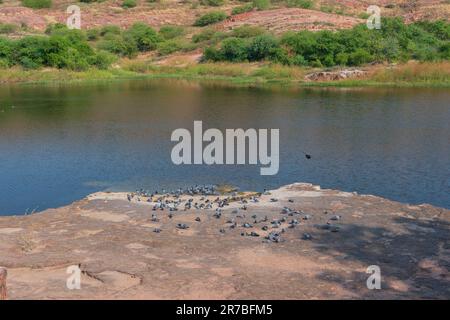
336, 13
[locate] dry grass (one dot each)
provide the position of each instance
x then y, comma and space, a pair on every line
414, 72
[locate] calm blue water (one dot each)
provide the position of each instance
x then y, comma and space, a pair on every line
58, 144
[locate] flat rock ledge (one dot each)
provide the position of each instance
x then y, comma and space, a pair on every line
323, 254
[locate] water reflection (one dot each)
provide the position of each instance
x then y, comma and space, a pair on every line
59, 143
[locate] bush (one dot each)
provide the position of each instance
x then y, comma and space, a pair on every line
247, 31
359, 57
7, 28
234, 49
170, 32
305, 4
261, 47
129, 4
241, 9
261, 4
231, 49
125, 47
37, 4
103, 60
93, 34
110, 29
396, 41
4, 64
146, 38
210, 18
69, 50
205, 35
54, 27
168, 47
6, 49
212, 3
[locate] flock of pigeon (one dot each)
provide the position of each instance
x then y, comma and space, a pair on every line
209, 198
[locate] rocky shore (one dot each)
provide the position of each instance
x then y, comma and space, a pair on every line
296, 242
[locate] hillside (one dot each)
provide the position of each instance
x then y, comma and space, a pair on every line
281, 16
309, 36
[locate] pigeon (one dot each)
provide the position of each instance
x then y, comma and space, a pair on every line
306, 236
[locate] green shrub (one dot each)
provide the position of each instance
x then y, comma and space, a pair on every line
305, 4
440, 28
117, 44
261, 4
168, 47
37, 4
54, 27
363, 15
241, 9
4, 64
6, 49
396, 41
110, 29
170, 32
247, 31
261, 47
211, 54
327, 9
204, 35
93, 34
145, 37
210, 18
359, 57
234, 49
103, 59
129, 4
212, 3
7, 28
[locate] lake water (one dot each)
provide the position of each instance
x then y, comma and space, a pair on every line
60, 143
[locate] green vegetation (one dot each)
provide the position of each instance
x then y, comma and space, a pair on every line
37, 4
7, 28
261, 4
210, 18
395, 41
63, 48
93, 34
241, 9
247, 31
129, 4
305, 4
170, 32
212, 3
284, 57
110, 29
145, 38
426, 74
209, 36
138, 38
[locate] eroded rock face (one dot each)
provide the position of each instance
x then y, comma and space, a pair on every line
113, 242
